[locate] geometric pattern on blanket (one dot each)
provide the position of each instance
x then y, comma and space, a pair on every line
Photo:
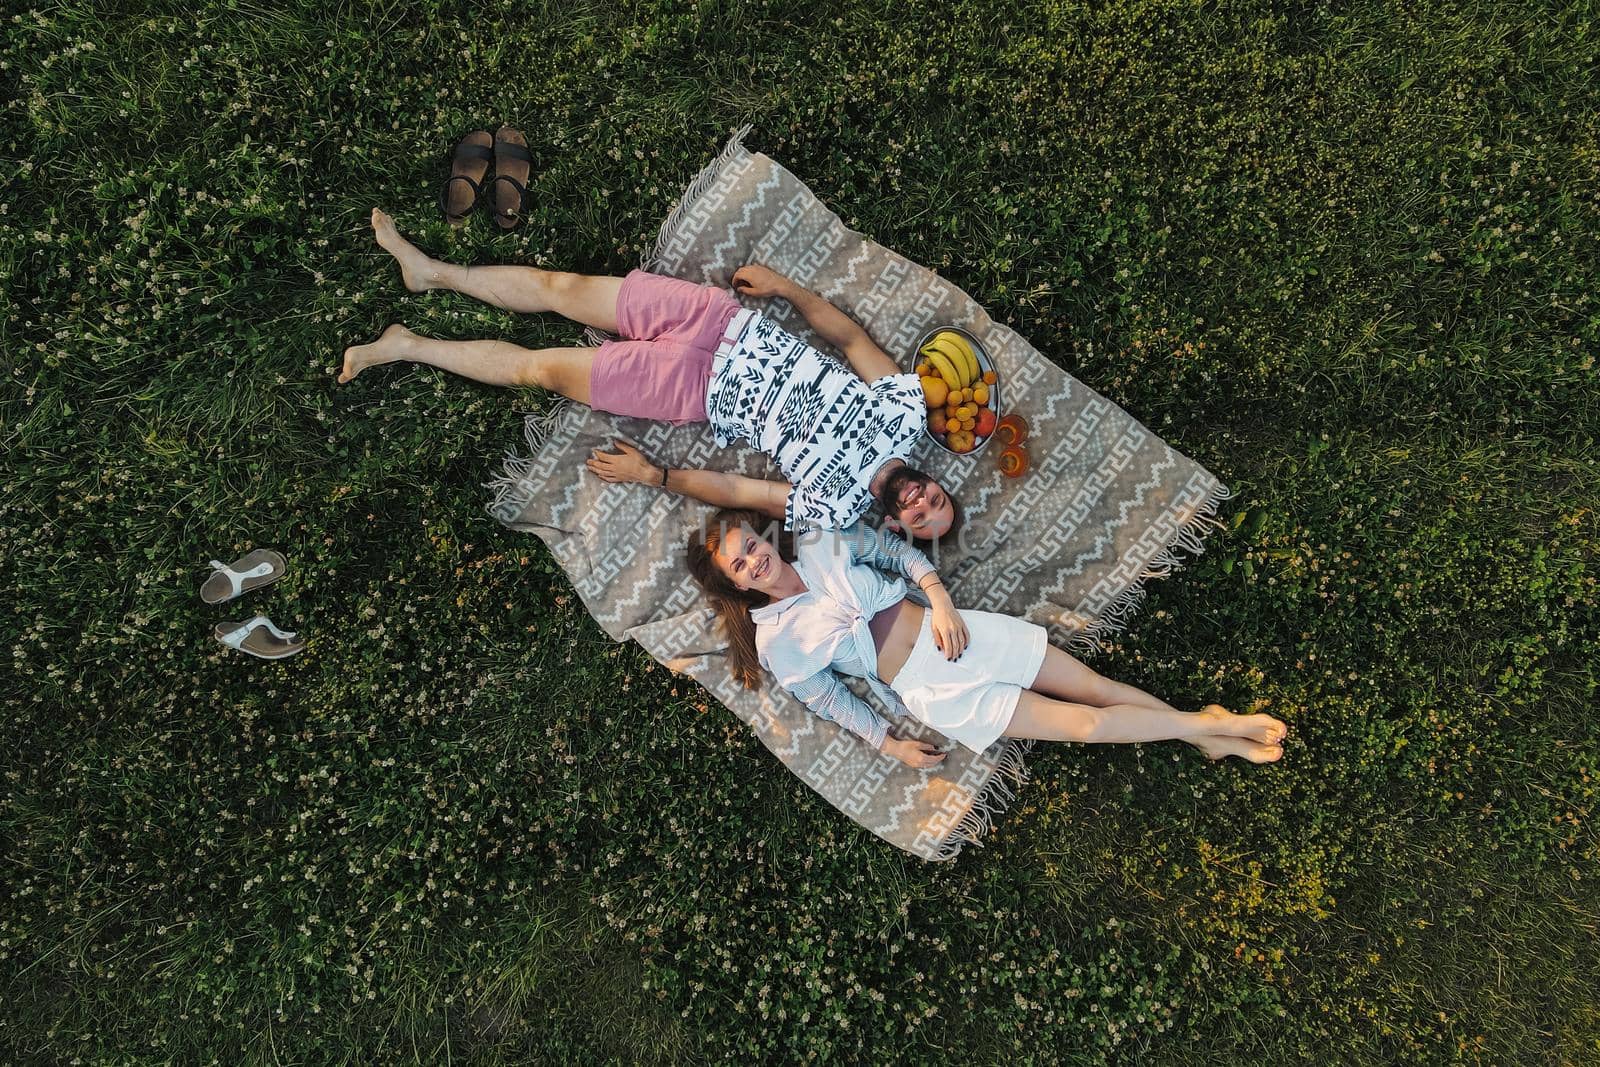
1105, 505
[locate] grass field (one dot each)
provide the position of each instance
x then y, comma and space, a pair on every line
1344, 254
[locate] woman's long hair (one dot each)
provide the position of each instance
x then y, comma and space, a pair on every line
731, 603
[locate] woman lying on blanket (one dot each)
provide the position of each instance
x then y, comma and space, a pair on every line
690, 353
821, 604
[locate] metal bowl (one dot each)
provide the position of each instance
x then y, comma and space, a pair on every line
984, 364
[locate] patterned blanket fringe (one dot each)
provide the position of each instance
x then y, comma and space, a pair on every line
511, 492
1191, 539
697, 188
1009, 776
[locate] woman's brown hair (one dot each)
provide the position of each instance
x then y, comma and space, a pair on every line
731, 603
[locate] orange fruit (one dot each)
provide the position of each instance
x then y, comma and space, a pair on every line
989, 377
934, 391
980, 395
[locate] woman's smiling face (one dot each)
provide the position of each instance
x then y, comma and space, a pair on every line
749, 561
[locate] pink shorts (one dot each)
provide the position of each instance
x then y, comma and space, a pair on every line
663, 367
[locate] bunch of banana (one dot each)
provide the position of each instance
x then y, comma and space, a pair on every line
958, 392
952, 358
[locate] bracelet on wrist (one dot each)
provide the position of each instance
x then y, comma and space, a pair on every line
664, 472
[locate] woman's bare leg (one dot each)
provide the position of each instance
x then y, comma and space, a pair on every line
1067, 678
1044, 718
586, 298
560, 370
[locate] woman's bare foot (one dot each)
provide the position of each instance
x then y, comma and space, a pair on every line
417, 270
1263, 728
1215, 748
386, 349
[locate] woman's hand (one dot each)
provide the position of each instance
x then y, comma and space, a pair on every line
949, 629
752, 279
911, 752
626, 464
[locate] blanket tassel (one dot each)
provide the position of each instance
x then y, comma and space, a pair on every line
1190, 539
702, 183
1010, 775
510, 488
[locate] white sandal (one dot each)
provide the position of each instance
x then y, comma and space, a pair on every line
267, 643
251, 571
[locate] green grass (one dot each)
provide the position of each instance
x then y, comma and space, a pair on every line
1344, 254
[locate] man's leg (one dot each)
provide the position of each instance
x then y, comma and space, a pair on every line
560, 370
589, 299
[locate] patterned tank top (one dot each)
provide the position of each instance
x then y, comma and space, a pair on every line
827, 430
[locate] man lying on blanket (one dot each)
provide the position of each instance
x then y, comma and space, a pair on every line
691, 353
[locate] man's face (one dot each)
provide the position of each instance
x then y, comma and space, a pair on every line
924, 509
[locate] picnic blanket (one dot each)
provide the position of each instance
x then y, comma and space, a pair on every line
1106, 504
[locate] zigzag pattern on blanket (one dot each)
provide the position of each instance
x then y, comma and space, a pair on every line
1106, 505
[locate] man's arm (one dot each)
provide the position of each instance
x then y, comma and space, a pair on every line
719, 489
833, 325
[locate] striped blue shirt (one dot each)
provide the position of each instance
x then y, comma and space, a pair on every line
809, 640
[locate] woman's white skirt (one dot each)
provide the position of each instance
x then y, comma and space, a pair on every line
972, 700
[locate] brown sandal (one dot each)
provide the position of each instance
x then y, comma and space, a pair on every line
512, 163
259, 638
251, 571
469, 163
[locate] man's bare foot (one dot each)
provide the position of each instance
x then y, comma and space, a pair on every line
1263, 728
386, 349
1215, 748
417, 270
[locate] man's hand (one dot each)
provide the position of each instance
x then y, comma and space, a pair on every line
911, 752
626, 464
752, 279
